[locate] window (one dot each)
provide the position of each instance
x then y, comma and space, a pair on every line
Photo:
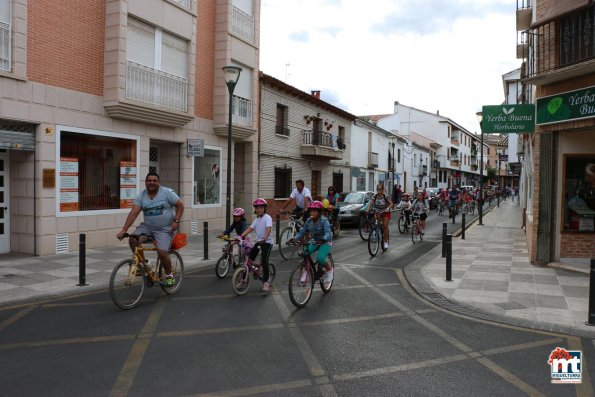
282, 182
338, 181
341, 139
281, 125
371, 185
96, 171
398, 155
157, 66
5, 39
206, 184
360, 183
579, 196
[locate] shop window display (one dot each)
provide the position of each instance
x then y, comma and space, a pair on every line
579, 193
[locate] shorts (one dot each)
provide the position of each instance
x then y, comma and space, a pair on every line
423, 216
162, 236
386, 215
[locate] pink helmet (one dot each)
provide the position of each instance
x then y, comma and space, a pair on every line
317, 205
259, 202
238, 212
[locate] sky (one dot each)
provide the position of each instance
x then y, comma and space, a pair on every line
446, 55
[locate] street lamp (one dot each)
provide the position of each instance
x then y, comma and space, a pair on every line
231, 75
480, 120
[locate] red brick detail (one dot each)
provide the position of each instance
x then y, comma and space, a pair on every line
577, 246
65, 43
205, 59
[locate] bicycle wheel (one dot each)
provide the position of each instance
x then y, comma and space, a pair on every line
222, 267
454, 215
301, 285
324, 287
413, 231
364, 228
126, 286
401, 224
465, 209
272, 273
177, 269
373, 242
240, 280
286, 251
337, 227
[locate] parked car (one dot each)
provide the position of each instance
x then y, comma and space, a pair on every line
342, 198
353, 205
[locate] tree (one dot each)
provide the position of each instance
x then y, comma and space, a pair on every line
491, 174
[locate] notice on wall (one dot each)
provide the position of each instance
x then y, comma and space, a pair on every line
69, 184
127, 183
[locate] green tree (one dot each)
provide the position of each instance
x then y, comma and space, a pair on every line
491, 174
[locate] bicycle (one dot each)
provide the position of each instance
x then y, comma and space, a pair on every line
303, 277
453, 211
376, 236
364, 226
229, 259
240, 280
295, 224
403, 222
416, 232
441, 206
128, 279
334, 221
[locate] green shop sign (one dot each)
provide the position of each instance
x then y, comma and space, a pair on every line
568, 106
508, 119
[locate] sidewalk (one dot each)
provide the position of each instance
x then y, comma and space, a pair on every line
492, 273
26, 278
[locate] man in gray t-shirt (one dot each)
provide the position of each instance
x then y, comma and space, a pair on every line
160, 221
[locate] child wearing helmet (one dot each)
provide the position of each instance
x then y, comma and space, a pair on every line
238, 224
262, 226
320, 232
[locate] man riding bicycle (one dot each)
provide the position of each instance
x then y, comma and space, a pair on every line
453, 197
381, 203
301, 197
160, 222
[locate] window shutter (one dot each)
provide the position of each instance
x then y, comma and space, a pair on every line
244, 86
140, 43
5, 12
174, 55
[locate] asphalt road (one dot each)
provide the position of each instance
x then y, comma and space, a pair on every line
372, 335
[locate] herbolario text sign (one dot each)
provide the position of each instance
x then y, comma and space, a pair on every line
567, 106
508, 119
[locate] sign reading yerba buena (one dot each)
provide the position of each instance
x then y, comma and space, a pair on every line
567, 106
508, 119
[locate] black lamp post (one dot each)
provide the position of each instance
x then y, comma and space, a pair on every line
480, 119
231, 75
393, 165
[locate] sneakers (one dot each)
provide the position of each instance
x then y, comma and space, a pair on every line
385, 245
303, 279
328, 279
266, 287
170, 281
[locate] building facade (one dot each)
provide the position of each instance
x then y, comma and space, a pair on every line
556, 46
301, 137
90, 106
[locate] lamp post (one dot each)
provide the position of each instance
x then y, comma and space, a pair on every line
480, 119
393, 165
231, 75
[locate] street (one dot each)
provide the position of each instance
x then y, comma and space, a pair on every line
372, 335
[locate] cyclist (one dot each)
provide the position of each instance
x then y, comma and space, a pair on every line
321, 239
381, 203
333, 202
443, 197
405, 205
160, 222
239, 223
420, 208
263, 226
453, 197
301, 197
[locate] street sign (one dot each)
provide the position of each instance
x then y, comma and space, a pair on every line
195, 148
567, 106
508, 119
503, 157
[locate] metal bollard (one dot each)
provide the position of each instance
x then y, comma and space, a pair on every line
591, 313
82, 260
278, 228
463, 226
205, 226
449, 257
444, 229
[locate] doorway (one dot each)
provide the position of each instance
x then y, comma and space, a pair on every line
4, 203
315, 188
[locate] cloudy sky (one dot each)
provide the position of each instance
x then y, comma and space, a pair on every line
446, 55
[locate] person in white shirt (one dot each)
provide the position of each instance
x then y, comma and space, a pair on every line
301, 197
263, 226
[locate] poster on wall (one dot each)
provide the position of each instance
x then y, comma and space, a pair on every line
127, 183
69, 184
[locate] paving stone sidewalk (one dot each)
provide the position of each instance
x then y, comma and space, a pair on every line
492, 272
27, 278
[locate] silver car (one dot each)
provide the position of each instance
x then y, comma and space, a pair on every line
353, 205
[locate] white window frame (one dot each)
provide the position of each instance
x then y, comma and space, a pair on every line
10, 52
220, 204
87, 131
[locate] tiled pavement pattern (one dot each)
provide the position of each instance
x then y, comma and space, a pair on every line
492, 272
25, 278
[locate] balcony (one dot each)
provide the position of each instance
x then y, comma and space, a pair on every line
184, 3
524, 13
4, 46
281, 130
317, 145
241, 112
372, 160
423, 170
436, 164
455, 137
242, 25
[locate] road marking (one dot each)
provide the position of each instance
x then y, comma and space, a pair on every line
512, 379
275, 387
350, 320
399, 368
49, 305
15, 317
208, 331
137, 353
56, 342
585, 388
522, 346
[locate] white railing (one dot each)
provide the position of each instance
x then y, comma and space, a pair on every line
242, 25
153, 86
4, 46
241, 112
184, 3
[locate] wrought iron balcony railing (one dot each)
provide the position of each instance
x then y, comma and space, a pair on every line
281, 130
156, 87
4, 46
184, 3
241, 110
319, 138
242, 25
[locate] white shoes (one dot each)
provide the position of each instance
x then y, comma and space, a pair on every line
385, 245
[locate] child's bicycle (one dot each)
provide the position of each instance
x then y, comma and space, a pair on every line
376, 236
230, 259
240, 280
303, 277
129, 277
416, 233
404, 220
288, 251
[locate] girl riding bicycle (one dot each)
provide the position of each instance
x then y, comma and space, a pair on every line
420, 209
321, 238
239, 223
381, 203
262, 225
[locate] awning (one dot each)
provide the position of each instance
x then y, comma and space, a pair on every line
558, 8
17, 140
